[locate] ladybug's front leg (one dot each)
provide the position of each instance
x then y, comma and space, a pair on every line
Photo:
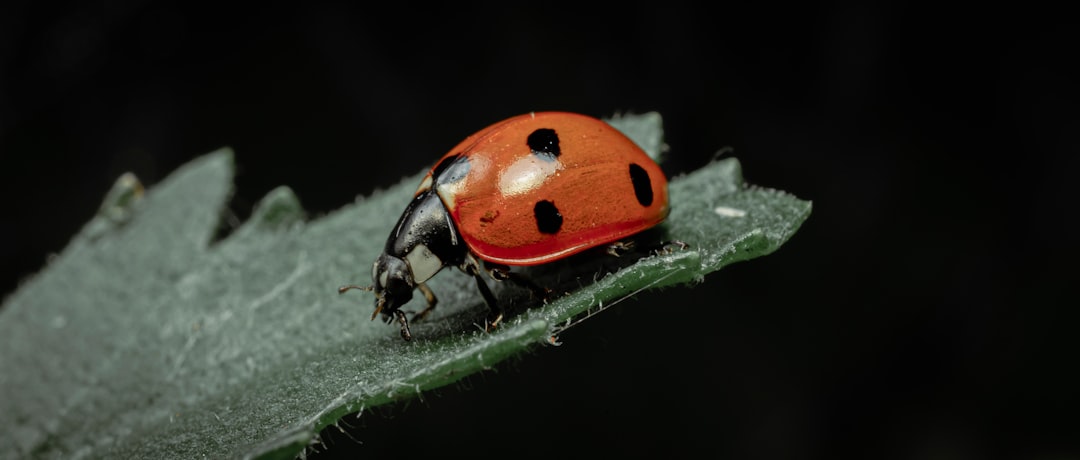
405, 333
431, 301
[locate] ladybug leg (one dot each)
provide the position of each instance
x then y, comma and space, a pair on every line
496, 314
405, 334
503, 273
472, 267
668, 247
619, 248
431, 301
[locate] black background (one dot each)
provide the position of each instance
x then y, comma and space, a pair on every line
920, 312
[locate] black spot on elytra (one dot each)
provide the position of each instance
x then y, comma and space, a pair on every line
642, 184
544, 143
548, 219
451, 169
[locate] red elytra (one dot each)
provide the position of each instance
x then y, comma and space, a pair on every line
589, 182
528, 190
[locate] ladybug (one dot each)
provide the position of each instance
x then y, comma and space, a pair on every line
528, 190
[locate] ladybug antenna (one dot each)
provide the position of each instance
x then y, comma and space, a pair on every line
341, 290
378, 306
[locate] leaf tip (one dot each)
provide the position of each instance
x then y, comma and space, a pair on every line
280, 207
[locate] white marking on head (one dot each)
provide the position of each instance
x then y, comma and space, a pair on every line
384, 278
526, 174
729, 212
423, 263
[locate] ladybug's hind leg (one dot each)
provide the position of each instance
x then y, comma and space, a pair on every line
503, 273
668, 247
618, 248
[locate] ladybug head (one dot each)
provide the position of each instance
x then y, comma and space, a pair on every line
393, 287
392, 282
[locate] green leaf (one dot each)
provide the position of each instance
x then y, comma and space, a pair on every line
144, 338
